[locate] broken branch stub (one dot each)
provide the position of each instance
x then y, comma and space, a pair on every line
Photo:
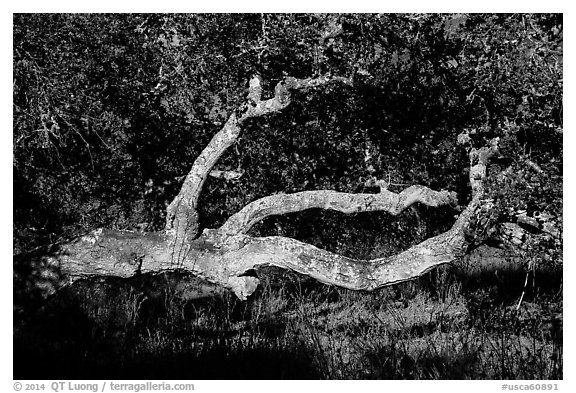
182, 220
226, 255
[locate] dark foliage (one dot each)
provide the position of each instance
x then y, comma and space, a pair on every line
110, 111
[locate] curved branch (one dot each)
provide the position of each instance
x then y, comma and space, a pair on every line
125, 254
182, 213
257, 107
224, 256
356, 274
393, 203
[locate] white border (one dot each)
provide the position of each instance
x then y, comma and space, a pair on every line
299, 6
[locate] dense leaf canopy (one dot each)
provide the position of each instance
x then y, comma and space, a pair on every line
110, 112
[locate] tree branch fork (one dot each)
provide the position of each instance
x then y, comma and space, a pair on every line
225, 255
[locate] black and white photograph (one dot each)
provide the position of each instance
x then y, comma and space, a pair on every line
287, 196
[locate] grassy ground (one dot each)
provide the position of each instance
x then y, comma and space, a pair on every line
460, 322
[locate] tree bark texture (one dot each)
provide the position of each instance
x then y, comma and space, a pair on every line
226, 255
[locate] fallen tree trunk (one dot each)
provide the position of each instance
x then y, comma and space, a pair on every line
226, 255
222, 258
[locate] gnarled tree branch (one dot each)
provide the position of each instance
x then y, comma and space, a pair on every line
224, 256
385, 200
182, 213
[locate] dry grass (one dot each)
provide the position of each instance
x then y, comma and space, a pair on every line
455, 323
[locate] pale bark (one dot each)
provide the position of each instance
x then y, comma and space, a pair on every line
126, 254
182, 213
385, 201
226, 255
226, 175
224, 258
